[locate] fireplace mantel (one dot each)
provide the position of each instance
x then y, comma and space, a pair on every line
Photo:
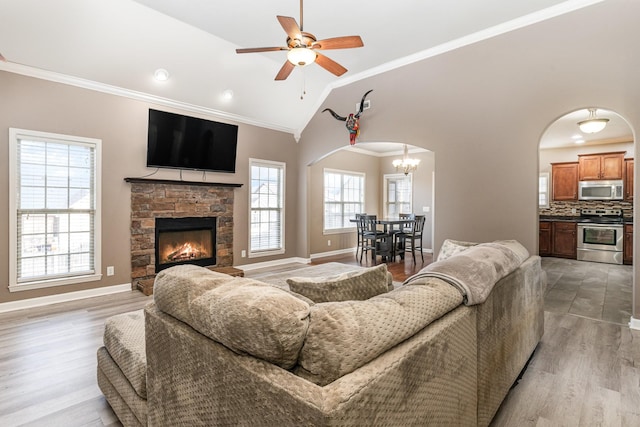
180, 182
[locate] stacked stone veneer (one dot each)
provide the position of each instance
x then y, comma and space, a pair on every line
151, 200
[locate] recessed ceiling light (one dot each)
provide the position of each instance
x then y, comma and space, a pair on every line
576, 136
227, 94
161, 75
579, 141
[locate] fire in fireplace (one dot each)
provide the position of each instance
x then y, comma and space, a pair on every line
185, 241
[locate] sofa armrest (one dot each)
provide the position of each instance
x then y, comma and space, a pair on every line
429, 378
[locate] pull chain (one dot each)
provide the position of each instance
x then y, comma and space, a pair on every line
303, 90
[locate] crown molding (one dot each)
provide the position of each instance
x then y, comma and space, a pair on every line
38, 73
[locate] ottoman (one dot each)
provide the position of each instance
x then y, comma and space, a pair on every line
122, 367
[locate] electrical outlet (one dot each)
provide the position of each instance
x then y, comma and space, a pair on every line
426, 209
328, 242
243, 253
573, 210
111, 270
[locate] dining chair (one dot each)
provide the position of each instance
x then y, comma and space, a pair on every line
404, 228
359, 231
412, 239
371, 236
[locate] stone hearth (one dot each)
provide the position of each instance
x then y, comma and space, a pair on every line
151, 199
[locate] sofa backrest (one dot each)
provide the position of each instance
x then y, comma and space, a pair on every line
320, 342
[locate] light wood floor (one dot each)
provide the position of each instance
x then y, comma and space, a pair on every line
585, 372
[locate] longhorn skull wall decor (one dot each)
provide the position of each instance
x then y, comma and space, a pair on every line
352, 121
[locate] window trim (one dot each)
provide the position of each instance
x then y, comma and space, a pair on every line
327, 231
385, 198
268, 252
14, 135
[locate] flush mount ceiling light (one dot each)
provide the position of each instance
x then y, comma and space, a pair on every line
301, 56
592, 124
406, 164
227, 94
161, 75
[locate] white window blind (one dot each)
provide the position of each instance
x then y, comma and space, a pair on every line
54, 207
343, 198
267, 208
398, 195
543, 190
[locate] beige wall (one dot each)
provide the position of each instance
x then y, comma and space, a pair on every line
121, 124
482, 110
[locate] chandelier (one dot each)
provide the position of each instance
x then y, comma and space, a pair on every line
406, 164
592, 124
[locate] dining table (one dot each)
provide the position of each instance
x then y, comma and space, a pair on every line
390, 225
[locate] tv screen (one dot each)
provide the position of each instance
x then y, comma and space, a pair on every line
182, 142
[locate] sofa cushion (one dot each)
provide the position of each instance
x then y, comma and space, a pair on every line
345, 335
124, 340
361, 284
452, 247
243, 314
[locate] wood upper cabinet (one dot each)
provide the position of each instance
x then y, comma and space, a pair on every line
593, 167
564, 181
627, 252
564, 240
628, 180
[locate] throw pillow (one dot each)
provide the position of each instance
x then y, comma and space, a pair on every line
359, 285
453, 247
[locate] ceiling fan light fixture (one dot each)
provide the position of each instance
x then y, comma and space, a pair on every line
592, 124
301, 56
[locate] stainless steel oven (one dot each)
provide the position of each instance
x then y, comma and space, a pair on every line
600, 236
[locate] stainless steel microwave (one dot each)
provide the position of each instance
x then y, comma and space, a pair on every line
600, 190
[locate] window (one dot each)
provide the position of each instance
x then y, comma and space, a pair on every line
397, 195
54, 204
343, 198
543, 190
267, 208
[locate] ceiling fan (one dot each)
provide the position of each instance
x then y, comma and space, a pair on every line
303, 48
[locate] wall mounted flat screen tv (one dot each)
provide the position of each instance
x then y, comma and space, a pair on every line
182, 142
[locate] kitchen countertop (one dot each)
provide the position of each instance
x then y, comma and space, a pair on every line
571, 218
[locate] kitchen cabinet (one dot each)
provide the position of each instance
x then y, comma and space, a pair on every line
564, 181
601, 166
628, 180
544, 241
627, 251
564, 240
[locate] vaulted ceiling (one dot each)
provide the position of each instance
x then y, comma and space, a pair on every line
116, 46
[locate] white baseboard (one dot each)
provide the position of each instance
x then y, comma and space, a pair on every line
274, 263
332, 253
634, 323
69, 296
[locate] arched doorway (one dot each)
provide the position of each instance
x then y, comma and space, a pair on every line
371, 160
586, 237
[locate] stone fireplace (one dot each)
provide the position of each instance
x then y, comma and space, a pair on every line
178, 222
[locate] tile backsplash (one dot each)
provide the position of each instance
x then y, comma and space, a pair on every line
564, 208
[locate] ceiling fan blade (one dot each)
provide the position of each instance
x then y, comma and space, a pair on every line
284, 72
290, 27
260, 49
330, 65
345, 42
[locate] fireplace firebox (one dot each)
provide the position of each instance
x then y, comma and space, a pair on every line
189, 240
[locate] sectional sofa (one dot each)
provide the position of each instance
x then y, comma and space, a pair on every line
442, 349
